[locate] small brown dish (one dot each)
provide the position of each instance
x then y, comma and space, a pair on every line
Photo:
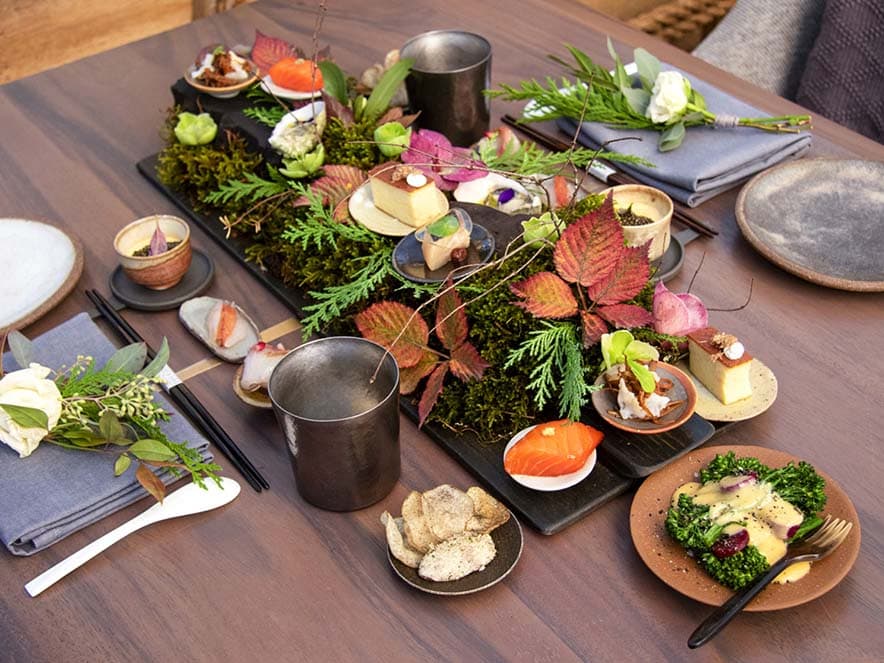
605, 401
225, 92
161, 271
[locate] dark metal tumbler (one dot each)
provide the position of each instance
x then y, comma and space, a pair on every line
451, 69
342, 428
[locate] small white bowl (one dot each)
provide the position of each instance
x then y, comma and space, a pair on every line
652, 203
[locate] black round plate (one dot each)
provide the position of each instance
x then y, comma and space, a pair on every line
408, 258
195, 281
508, 540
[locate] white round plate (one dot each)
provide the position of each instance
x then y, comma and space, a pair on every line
764, 393
268, 85
41, 264
361, 206
549, 484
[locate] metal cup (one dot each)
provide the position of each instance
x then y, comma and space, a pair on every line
341, 424
451, 69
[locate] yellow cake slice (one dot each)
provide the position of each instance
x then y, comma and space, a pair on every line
721, 364
407, 194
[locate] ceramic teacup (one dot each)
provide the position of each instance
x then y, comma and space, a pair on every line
648, 202
161, 271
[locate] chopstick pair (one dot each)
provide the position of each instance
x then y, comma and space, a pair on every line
607, 173
185, 399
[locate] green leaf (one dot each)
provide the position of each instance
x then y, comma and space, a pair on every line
122, 464
159, 361
621, 78
380, 97
109, 427
671, 138
641, 351
148, 449
697, 99
85, 439
334, 80
637, 98
643, 374
614, 347
128, 359
648, 67
26, 417
21, 348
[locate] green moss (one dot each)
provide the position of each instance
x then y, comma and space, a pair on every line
350, 144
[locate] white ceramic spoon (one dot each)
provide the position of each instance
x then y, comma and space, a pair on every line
183, 502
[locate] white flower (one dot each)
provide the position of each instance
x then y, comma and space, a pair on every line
28, 387
668, 98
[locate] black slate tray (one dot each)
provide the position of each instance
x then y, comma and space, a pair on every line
623, 458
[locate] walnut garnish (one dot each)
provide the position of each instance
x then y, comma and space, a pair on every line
722, 340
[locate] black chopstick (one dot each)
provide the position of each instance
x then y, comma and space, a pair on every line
186, 400
680, 213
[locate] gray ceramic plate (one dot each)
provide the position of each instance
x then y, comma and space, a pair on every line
819, 219
195, 281
507, 538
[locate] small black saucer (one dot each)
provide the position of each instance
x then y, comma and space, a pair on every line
670, 263
195, 281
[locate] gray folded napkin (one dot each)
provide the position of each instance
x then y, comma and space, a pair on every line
54, 491
709, 161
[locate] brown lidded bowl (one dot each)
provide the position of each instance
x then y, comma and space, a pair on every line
651, 203
158, 272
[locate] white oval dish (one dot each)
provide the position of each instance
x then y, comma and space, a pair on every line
269, 86
549, 484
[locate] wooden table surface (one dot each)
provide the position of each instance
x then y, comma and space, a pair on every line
272, 578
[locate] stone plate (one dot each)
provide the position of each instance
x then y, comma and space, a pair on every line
819, 219
670, 562
508, 541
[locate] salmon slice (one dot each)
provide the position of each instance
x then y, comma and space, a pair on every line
553, 449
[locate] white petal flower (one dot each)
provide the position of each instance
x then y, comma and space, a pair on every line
669, 98
28, 387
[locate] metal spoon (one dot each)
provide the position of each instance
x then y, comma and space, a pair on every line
183, 502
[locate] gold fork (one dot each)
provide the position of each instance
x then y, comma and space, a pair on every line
821, 543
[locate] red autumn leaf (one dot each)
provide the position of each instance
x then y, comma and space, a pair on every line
546, 296
411, 376
590, 248
338, 182
466, 362
267, 51
383, 322
334, 108
451, 318
392, 115
150, 482
431, 392
593, 328
626, 316
626, 280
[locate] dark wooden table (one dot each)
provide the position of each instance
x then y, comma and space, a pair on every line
271, 578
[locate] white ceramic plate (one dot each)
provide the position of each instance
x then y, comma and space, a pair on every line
361, 206
41, 264
549, 484
268, 85
764, 393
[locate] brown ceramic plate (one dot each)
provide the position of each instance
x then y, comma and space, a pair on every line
508, 540
258, 398
41, 264
819, 219
226, 92
683, 389
669, 561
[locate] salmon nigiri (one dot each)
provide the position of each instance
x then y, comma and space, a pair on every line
552, 449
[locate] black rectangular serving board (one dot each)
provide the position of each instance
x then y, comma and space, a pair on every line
623, 458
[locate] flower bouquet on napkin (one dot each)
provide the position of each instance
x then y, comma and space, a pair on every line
662, 101
84, 407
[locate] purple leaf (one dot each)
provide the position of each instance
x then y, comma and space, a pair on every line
158, 243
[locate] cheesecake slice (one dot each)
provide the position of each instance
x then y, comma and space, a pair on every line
407, 194
719, 362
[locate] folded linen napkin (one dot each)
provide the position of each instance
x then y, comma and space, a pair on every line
54, 492
709, 161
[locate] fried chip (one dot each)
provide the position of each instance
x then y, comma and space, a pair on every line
446, 510
417, 533
398, 546
457, 557
488, 513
